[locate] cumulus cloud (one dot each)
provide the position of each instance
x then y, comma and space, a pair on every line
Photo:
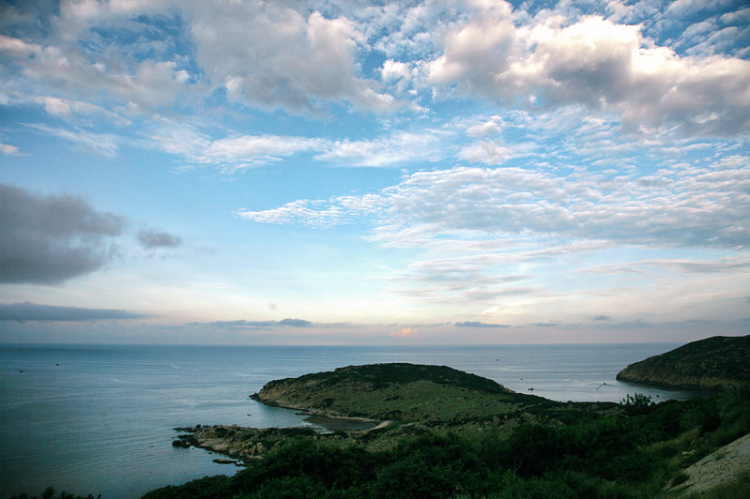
49, 239
305, 56
263, 54
595, 62
152, 238
485, 151
22, 312
86, 75
268, 54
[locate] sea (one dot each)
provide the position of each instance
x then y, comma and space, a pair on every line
100, 419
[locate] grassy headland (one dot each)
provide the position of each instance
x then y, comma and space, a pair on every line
716, 363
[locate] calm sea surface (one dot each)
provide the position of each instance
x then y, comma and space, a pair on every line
100, 419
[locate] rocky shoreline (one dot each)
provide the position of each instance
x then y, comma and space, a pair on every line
243, 443
237, 442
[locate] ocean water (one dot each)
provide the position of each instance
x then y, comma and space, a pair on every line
100, 419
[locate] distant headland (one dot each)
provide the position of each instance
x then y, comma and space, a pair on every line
716, 363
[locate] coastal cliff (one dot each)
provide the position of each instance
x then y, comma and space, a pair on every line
717, 363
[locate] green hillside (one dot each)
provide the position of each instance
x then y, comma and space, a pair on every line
399, 391
716, 363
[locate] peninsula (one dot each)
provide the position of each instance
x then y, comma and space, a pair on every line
716, 363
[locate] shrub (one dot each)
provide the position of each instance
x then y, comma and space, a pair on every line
638, 404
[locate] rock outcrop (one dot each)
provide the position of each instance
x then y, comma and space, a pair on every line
717, 363
238, 442
723, 467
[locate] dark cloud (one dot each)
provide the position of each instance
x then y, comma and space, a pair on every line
295, 323
49, 239
259, 324
27, 311
479, 324
151, 238
601, 318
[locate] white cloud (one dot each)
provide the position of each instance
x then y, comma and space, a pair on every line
233, 153
682, 8
71, 109
290, 55
99, 143
596, 63
303, 210
702, 207
318, 214
256, 149
492, 126
78, 75
270, 55
398, 72
395, 150
405, 332
734, 264
8, 149
18, 47
264, 54
485, 151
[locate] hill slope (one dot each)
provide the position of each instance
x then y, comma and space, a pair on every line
716, 363
396, 391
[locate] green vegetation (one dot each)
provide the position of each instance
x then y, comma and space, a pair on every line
716, 363
380, 376
401, 392
532, 447
49, 493
737, 490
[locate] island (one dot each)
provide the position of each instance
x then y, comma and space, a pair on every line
411, 431
716, 363
375, 406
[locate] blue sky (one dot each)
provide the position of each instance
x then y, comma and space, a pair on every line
347, 172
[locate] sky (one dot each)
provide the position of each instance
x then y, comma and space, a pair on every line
350, 172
